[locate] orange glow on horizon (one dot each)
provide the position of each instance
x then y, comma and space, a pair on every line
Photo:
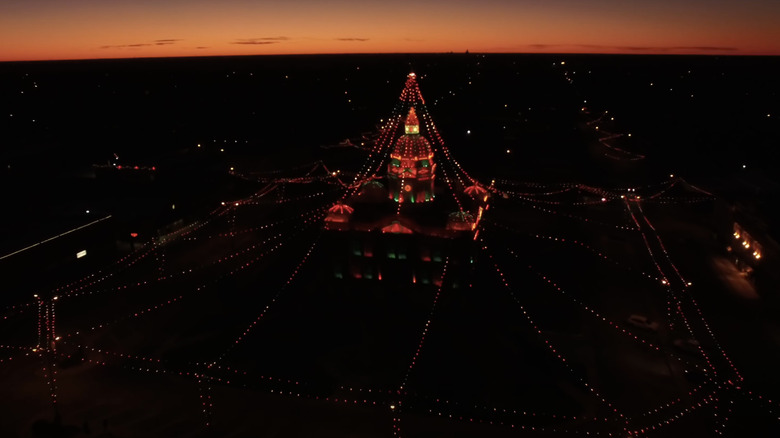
84, 29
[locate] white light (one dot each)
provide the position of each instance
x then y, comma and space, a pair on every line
744, 166
87, 211
468, 131
81, 253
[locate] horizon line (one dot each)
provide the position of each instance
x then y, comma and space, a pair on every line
728, 54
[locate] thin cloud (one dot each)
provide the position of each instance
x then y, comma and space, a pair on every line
163, 42
201, 47
352, 39
263, 40
255, 42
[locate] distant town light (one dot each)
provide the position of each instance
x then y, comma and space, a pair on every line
81, 253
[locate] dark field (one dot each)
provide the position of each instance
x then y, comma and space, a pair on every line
229, 320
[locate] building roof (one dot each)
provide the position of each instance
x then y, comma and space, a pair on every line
412, 145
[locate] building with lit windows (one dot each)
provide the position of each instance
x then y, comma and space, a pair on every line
411, 171
749, 248
405, 220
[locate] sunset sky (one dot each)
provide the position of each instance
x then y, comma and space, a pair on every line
79, 29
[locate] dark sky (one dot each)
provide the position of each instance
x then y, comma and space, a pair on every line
75, 29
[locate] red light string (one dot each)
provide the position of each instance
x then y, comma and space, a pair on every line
397, 407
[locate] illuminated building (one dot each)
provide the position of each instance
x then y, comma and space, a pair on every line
400, 223
411, 170
748, 252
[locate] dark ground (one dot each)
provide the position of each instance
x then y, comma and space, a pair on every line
340, 339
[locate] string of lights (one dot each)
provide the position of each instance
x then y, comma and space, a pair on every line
397, 407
